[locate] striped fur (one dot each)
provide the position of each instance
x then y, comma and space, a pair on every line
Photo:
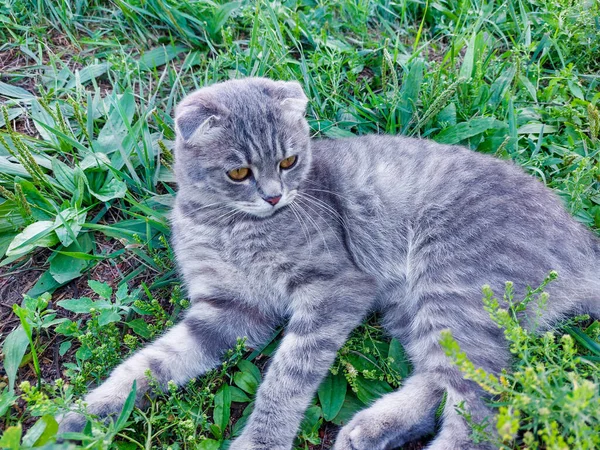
407, 227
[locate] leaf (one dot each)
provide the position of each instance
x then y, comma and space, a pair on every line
140, 327
447, 115
239, 396
41, 116
309, 428
40, 433
400, 363
67, 328
108, 316
536, 128
219, 18
86, 74
575, 90
100, 288
35, 197
14, 348
67, 224
349, 408
114, 131
38, 234
83, 353
110, 190
584, 340
209, 444
247, 366
159, 56
65, 268
338, 133
64, 347
45, 283
63, 174
127, 408
222, 409
502, 84
439, 412
11, 438
370, 390
83, 305
332, 393
474, 49
7, 399
246, 382
96, 161
528, 85
13, 113
10, 168
16, 92
465, 130
68, 264
409, 94
122, 292
239, 425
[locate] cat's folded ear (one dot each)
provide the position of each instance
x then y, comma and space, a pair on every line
293, 100
198, 118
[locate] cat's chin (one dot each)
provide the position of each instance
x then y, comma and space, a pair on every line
262, 213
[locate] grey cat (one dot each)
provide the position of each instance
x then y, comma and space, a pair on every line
270, 226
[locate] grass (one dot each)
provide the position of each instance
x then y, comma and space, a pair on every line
88, 89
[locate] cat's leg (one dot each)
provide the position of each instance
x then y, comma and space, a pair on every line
398, 417
189, 349
409, 413
324, 314
394, 419
455, 432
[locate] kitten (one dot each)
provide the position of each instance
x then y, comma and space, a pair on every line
270, 226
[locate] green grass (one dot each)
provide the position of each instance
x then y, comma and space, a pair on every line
88, 89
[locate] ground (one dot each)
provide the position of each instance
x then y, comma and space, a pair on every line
88, 90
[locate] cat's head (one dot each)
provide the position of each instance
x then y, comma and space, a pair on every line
243, 144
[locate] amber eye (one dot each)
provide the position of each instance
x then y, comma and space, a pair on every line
288, 163
239, 174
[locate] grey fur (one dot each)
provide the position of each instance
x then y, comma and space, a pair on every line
407, 227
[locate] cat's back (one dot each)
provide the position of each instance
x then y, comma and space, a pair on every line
412, 206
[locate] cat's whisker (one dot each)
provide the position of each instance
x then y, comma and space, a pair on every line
317, 227
323, 204
228, 215
308, 204
219, 206
325, 190
325, 208
302, 212
303, 225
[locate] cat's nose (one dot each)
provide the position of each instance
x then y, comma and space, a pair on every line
273, 200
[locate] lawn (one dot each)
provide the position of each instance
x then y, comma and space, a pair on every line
87, 92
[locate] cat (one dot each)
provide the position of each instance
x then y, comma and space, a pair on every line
270, 226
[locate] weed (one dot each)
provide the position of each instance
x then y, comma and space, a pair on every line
88, 90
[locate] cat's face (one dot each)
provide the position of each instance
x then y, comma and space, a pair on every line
243, 144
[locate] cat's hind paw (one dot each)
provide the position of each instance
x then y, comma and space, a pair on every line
360, 435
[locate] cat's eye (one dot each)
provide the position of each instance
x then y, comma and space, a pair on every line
239, 174
288, 162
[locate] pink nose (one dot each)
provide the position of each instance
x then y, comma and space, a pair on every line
273, 200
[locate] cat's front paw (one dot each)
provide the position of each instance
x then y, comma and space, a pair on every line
74, 422
363, 432
244, 442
